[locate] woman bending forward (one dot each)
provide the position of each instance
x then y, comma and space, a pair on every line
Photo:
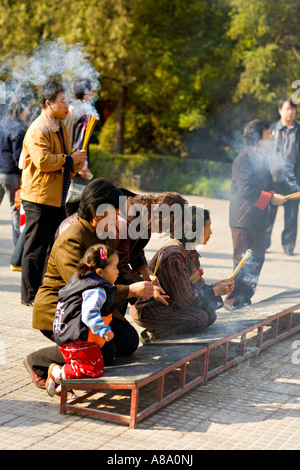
192, 307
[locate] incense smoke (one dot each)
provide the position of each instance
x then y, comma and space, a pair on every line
53, 60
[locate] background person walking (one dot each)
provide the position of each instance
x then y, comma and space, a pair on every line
12, 131
286, 177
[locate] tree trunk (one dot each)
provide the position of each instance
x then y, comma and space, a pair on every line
120, 121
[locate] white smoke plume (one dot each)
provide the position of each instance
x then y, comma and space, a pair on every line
53, 59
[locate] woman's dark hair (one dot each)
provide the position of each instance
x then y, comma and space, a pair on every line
254, 130
170, 199
97, 192
49, 92
195, 217
81, 86
167, 198
92, 259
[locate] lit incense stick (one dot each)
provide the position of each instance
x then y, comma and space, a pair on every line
196, 276
156, 268
88, 132
241, 264
293, 196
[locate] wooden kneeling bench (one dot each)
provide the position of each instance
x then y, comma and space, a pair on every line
148, 370
160, 372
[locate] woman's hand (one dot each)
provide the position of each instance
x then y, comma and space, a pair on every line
144, 289
147, 275
223, 287
160, 295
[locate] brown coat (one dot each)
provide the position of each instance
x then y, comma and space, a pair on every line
43, 157
131, 251
65, 255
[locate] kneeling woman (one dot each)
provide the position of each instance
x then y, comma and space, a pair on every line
192, 307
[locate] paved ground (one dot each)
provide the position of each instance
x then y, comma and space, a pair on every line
254, 405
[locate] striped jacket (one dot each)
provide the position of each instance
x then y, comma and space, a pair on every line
174, 271
191, 306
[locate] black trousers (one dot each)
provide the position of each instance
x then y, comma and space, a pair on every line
41, 224
289, 234
246, 280
124, 343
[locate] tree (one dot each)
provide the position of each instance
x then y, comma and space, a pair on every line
267, 38
167, 61
183, 74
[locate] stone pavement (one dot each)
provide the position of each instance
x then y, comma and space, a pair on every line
254, 405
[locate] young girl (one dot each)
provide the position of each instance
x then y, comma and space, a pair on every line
81, 324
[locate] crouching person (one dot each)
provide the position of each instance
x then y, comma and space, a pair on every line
81, 323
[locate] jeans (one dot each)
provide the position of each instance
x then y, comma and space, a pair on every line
9, 184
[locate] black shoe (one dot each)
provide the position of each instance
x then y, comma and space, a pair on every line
28, 304
288, 251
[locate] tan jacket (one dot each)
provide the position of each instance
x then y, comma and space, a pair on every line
43, 157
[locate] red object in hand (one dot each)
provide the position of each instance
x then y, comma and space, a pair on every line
18, 199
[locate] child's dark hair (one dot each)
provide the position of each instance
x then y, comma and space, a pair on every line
97, 256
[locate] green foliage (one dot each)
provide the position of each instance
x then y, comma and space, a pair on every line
266, 35
162, 173
195, 71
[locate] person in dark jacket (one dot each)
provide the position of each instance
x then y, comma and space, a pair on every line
12, 131
83, 313
250, 196
286, 175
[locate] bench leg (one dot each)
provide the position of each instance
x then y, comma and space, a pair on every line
134, 407
63, 399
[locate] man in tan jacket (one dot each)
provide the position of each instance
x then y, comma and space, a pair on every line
48, 166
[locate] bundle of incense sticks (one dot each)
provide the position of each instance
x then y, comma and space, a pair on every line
88, 132
196, 276
156, 267
241, 264
293, 196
